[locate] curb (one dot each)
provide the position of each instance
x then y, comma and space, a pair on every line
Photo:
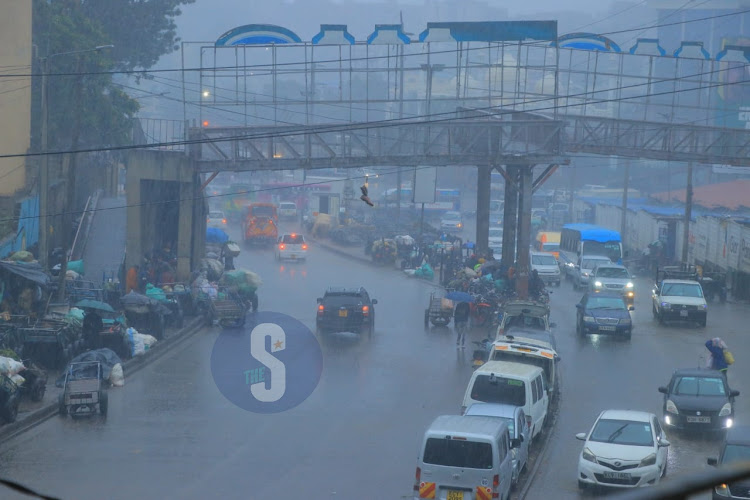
130, 366
342, 252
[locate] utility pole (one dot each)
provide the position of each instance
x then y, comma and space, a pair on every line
44, 175
624, 219
688, 212
70, 189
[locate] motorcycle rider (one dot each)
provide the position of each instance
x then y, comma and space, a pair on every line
461, 322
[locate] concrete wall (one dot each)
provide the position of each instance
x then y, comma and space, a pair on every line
145, 210
15, 93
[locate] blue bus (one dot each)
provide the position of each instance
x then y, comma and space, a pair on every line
577, 240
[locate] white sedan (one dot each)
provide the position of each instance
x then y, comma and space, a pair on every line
624, 449
291, 246
216, 218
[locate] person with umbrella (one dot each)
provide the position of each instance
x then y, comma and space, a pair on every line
461, 322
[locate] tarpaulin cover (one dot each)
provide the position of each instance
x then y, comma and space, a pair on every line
106, 357
30, 270
216, 235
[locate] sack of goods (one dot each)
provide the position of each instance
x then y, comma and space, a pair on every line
117, 377
253, 279
18, 380
728, 357
10, 367
155, 293
233, 249
235, 278
22, 256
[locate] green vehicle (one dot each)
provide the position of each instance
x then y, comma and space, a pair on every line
236, 198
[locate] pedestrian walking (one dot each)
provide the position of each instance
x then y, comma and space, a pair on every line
720, 357
461, 322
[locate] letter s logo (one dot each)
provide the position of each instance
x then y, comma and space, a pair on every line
276, 367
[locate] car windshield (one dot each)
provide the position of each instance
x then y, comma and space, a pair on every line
591, 263
625, 432
499, 390
287, 205
507, 420
293, 239
611, 249
599, 302
551, 247
699, 386
458, 453
215, 215
612, 272
735, 453
543, 260
262, 211
682, 290
452, 216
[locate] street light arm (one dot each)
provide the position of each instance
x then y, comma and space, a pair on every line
84, 51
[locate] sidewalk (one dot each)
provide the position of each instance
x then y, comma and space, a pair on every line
32, 413
354, 252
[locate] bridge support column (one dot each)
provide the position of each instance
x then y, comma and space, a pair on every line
526, 180
510, 215
484, 176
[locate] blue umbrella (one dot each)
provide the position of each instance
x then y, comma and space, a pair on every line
459, 297
216, 235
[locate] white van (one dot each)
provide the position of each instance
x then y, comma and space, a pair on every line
287, 210
465, 458
511, 383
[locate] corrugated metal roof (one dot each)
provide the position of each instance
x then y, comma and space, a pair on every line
662, 210
734, 195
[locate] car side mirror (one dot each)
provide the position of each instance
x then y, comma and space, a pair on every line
553, 325
374, 302
581, 436
557, 358
663, 390
515, 443
631, 308
734, 394
663, 443
579, 306
577, 266
320, 300
712, 461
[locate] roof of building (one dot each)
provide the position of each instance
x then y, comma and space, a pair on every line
734, 195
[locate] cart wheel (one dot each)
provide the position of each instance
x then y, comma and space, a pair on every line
10, 410
62, 410
37, 393
103, 403
426, 318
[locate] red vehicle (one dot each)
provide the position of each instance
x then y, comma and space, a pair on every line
261, 224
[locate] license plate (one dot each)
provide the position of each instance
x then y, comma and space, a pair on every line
699, 420
343, 313
455, 495
683, 313
616, 475
607, 328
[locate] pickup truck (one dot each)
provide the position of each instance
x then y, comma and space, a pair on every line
675, 299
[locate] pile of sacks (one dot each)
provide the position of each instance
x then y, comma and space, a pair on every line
11, 369
139, 342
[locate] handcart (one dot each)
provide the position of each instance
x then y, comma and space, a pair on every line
51, 342
228, 308
439, 312
83, 391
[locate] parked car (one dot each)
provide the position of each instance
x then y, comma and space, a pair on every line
519, 431
532, 347
346, 310
287, 210
735, 448
603, 313
624, 449
291, 246
547, 267
613, 278
451, 221
698, 399
216, 218
679, 300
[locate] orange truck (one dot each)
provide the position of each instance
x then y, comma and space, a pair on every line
261, 224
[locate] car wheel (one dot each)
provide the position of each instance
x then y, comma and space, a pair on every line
629, 334
575, 285
653, 311
582, 486
664, 469
62, 410
426, 318
579, 328
660, 317
103, 403
702, 322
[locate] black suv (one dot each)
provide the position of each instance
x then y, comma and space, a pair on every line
736, 448
346, 310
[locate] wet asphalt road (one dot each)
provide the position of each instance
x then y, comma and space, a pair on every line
171, 434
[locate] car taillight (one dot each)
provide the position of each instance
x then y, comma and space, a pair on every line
282, 246
495, 485
365, 310
304, 246
321, 308
528, 421
223, 221
417, 478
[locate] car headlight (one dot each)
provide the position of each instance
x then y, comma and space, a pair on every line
722, 490
597, 283
629, 285
625, 321
666, 305
588, 456
585, 274
726, 410
588, 319
671, 407
704, 306
649, 460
